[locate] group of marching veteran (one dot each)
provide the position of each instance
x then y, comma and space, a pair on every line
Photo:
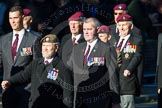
95, 66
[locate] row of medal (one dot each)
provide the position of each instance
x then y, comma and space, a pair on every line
95, 61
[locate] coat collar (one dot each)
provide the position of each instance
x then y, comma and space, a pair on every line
54, 61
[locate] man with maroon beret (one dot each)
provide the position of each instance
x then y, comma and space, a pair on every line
105, 36
104, 33
130, 48
27, 22
118, 10
75, 37
27, 19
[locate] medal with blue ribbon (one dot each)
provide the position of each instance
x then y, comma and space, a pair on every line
53, 74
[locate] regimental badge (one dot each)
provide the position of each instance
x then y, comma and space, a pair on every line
120, 7
53, 74
124, 18
47, 39
26, 51
98, 61
126, 55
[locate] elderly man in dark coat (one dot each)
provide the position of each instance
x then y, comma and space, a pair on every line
130, 47
94, 75
50, 80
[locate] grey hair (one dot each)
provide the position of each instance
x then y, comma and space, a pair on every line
129, 22
97, 23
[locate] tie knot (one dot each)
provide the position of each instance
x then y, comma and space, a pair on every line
73, 40
16, 35
46, 62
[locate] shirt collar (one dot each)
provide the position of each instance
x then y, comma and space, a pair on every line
77, 37
125, 37
49, 60
21, 32
93, 43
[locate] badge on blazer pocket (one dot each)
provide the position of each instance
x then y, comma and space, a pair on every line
26, 51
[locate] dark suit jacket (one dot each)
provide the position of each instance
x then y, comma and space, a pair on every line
159, 71
114, 41
159, 63
158, 57
93, 80
130, 61
67, 46
46, 92
10, 68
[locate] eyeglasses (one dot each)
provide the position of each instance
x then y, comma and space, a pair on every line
118, 13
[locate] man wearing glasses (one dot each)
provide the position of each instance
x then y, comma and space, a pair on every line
118, 10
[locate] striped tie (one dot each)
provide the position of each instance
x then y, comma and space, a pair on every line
120, 45
73, 41
14, 46
86, 54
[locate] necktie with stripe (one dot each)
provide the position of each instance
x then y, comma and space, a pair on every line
73, 41
14, 46
120, 45
86, 54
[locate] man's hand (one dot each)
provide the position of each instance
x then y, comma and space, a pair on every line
158, 90
127, 73
5, 85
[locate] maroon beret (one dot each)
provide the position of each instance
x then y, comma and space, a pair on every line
124, 17
27, 12
103, 29
77, 16
120, 7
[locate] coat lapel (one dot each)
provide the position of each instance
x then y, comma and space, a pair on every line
81, 39
80, 55
8, 47
95, 48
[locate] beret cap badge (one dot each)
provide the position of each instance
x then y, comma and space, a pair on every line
47, 39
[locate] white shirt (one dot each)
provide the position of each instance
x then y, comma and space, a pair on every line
77, 37
124, 42
49, 60
92, 46
21, 35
